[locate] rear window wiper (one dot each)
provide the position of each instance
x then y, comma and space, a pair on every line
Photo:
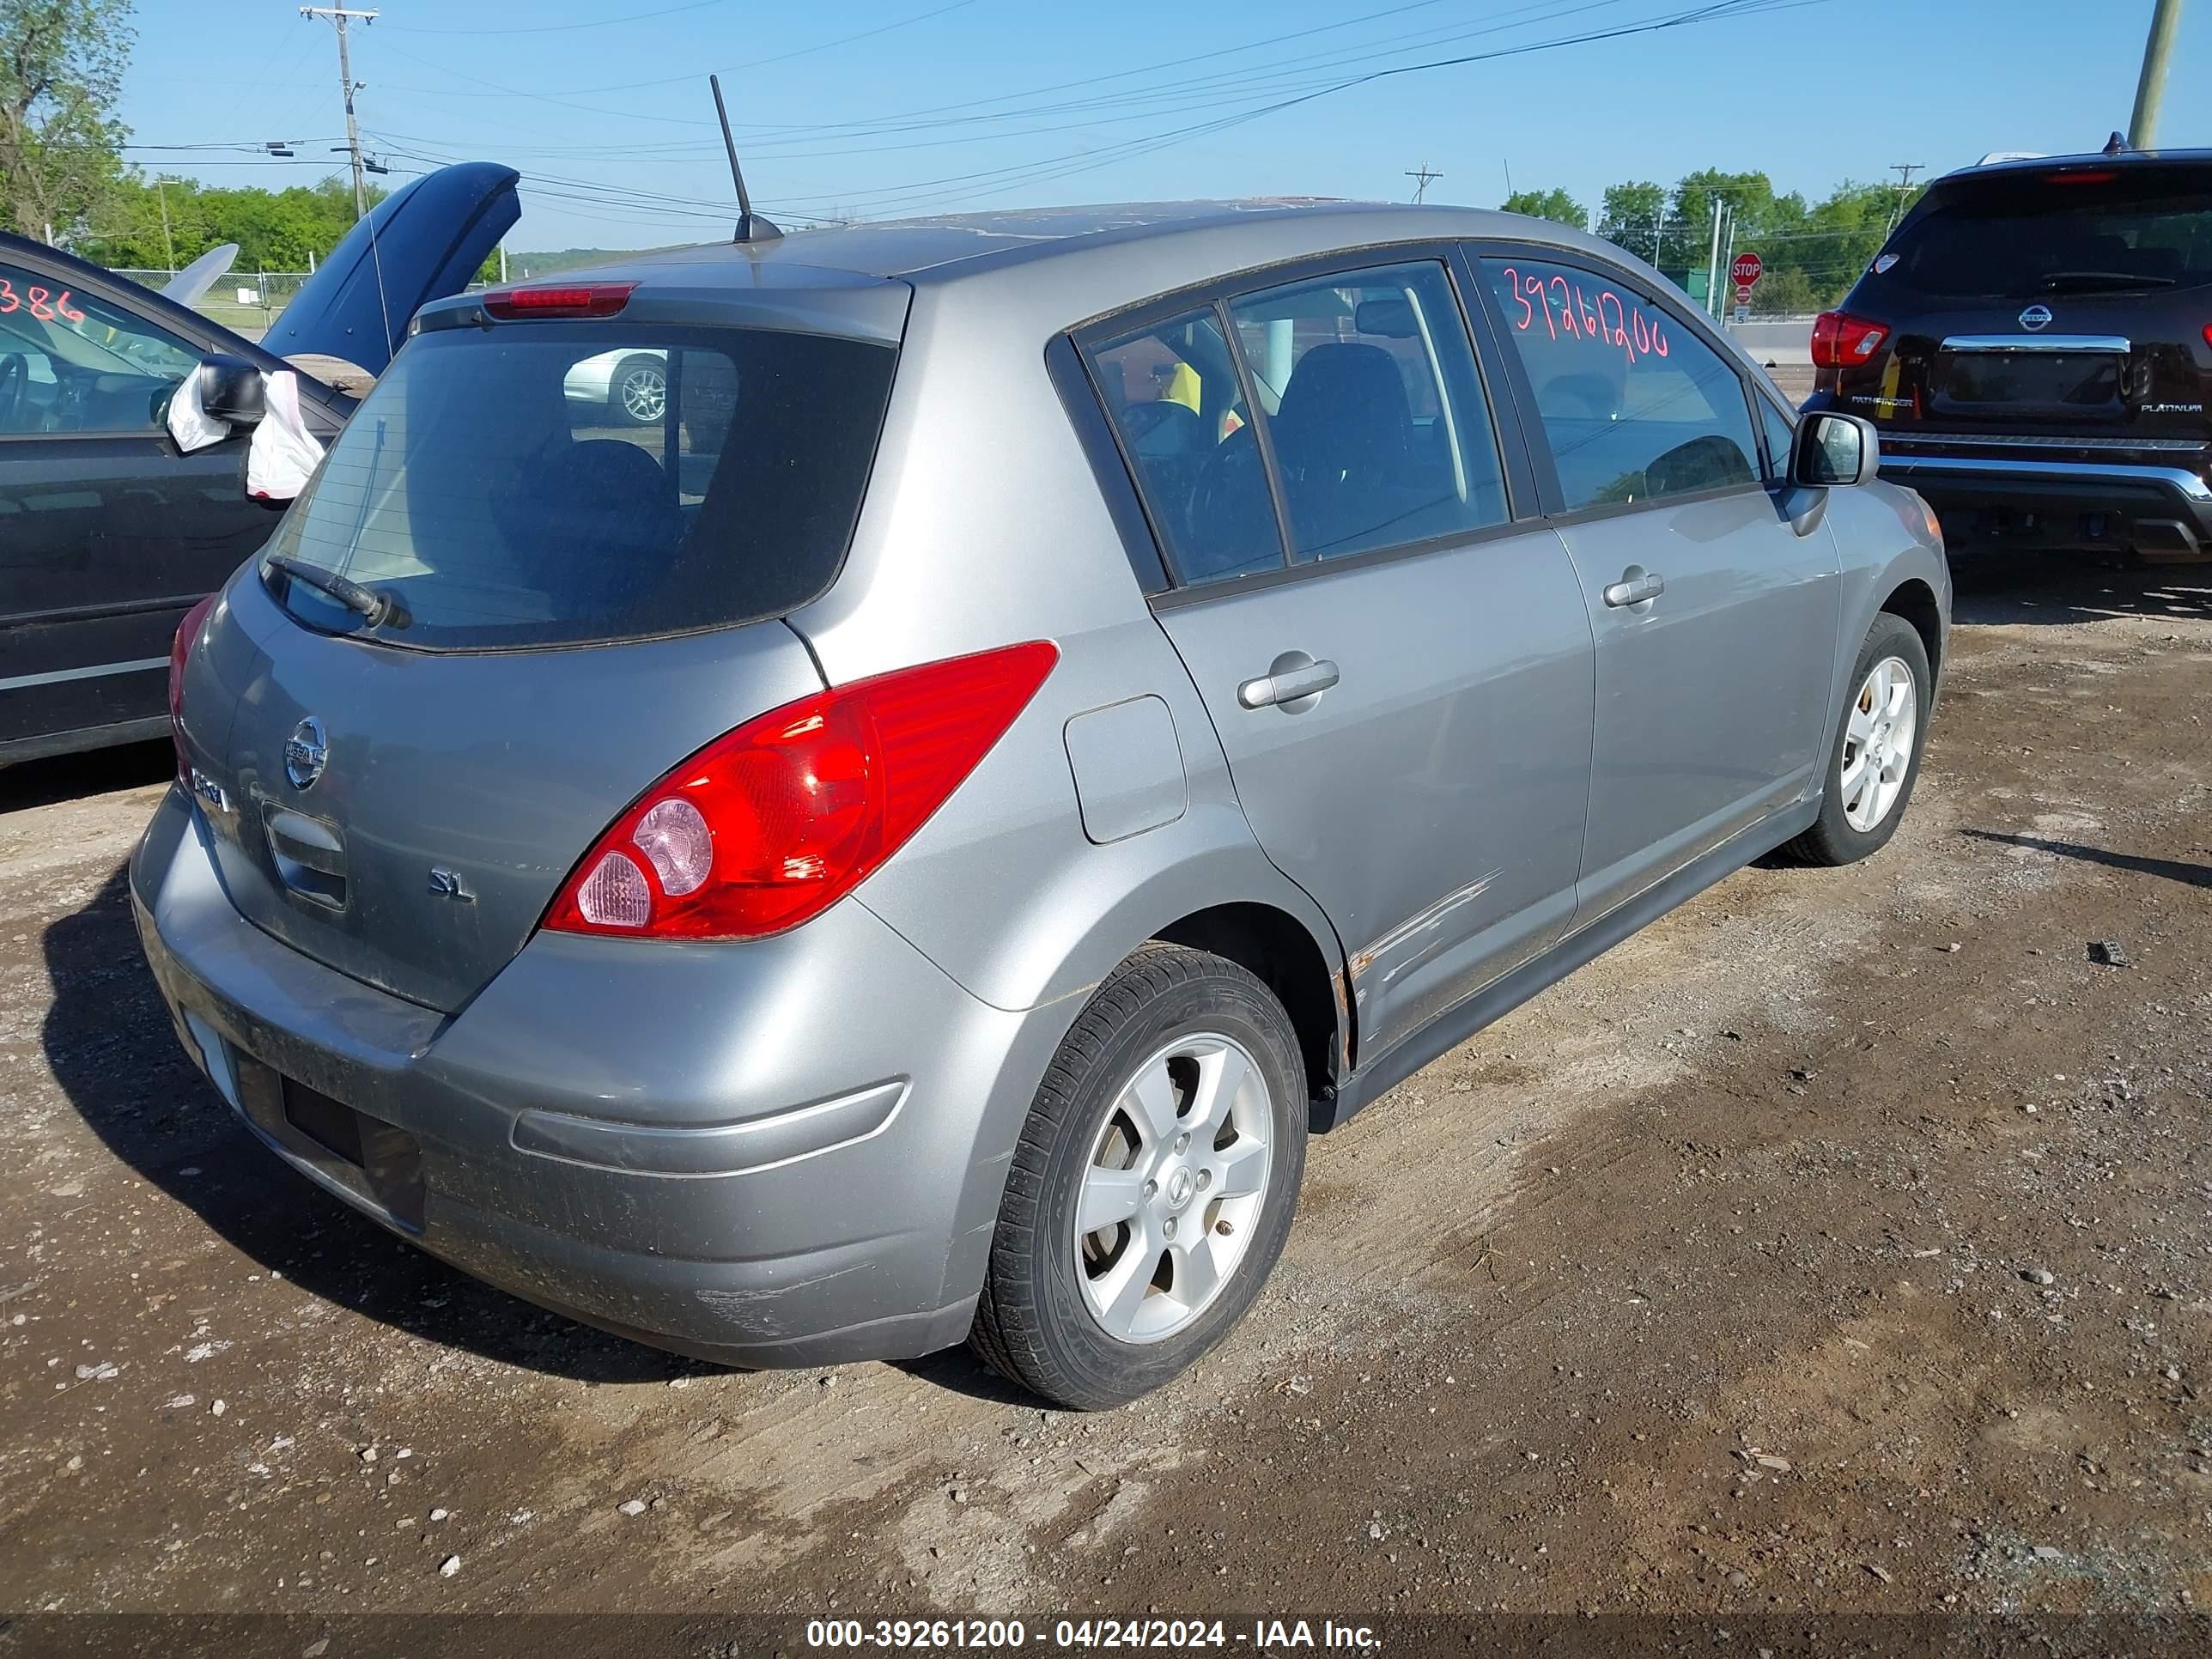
376, 608
2059, 282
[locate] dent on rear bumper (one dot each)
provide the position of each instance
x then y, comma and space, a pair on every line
768, 1153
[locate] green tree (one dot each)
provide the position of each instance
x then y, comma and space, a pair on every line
1631, 214
275, 230
1553, 205
61, 66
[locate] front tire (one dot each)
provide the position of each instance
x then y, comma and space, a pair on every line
1153, 1186
1875, 760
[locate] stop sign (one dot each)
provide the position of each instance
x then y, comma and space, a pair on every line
1747, 269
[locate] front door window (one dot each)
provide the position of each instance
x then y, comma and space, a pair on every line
70, 362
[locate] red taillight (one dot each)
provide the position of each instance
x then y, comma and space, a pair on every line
2208, 334
569, 299
1843, 341
2095, 176
188, 634
770, 825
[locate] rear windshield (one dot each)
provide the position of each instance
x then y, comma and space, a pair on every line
566, 484
2031, 238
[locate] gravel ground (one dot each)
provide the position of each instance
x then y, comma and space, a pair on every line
1840, 1244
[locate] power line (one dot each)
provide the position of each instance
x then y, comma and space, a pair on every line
1903, 170
563, 28
1422, 179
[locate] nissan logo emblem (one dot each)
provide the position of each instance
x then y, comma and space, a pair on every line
306, 753
2035, 317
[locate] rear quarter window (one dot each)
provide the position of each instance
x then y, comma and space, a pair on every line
564, 484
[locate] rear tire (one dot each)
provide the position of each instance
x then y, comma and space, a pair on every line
637, 395
1874, 750
1174, 1116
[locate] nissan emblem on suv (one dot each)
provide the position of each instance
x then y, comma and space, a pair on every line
2035, 317
305, 753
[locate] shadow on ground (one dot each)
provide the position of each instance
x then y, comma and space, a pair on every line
108, 1040
2189, 875
2052, 588
65, 777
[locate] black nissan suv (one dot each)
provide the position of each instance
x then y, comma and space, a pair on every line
2034, 343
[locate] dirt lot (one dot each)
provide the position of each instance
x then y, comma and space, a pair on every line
1843, 1243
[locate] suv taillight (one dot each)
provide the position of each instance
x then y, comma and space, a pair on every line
770, 825
1843, 341
188, 636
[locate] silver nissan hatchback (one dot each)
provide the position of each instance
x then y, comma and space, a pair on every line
905, 843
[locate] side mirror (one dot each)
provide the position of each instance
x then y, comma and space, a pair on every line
232, 390
1831, 449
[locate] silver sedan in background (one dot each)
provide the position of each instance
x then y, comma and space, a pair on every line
632, 386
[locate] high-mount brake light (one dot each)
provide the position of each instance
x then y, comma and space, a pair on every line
180, 649
2095, 176
562, 300
772, 824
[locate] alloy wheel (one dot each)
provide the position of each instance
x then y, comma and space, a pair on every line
1878, 740
1172, 1193
644, 395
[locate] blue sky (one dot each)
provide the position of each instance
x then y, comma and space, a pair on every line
951, 105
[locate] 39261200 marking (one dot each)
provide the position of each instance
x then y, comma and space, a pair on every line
925, 1634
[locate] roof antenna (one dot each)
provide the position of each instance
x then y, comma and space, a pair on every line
751, 227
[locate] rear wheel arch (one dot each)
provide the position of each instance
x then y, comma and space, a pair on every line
1279, 950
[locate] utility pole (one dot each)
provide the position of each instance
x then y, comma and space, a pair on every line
1423, 178
339, 16
1713, 260
162, 190
1903, 170
1727, 264
2150, 89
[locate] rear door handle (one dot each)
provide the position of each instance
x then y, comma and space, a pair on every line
1287, 682
1635, 587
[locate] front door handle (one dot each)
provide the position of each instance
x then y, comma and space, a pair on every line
1636, 586
1290, 678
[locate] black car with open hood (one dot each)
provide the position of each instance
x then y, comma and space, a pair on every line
108, 533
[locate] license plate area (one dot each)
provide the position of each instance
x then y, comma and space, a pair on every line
2022, 382
380, 1161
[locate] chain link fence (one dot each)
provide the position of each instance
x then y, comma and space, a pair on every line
247, 301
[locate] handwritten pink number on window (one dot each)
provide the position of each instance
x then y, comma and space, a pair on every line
1566, 304
1535, 286
1513, 287
1615, 326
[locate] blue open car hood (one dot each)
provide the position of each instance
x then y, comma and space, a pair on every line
422, 242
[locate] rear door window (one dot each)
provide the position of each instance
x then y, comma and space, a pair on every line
1367, 385
1635, 405
566, 484
1173, 391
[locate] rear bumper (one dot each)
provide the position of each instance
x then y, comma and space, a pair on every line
2158, 510
784, 1153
